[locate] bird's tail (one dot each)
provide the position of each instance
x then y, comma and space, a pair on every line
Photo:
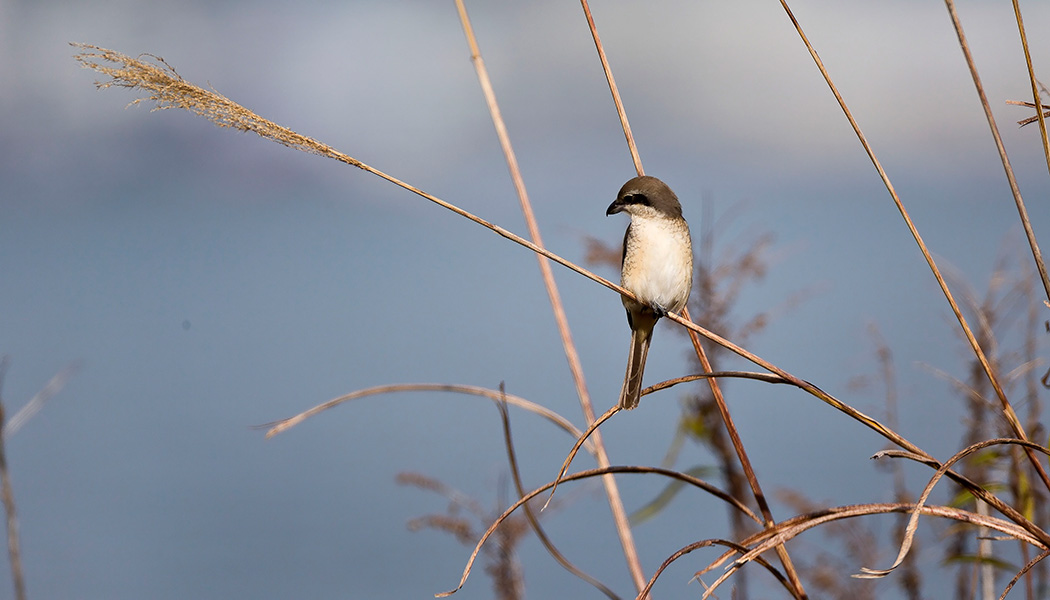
632, 381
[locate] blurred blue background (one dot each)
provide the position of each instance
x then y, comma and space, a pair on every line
210, 280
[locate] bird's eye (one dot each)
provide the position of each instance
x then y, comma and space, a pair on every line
640, 199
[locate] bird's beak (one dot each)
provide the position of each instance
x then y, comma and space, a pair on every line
615, 207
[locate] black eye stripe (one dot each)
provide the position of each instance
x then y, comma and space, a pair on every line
638, 198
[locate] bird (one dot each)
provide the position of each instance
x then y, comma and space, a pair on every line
657, 267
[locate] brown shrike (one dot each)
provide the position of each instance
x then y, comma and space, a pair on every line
657, 268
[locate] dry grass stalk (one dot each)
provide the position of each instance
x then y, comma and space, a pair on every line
765, 540
612, 491
169, 90
534, 522
998, 314
620, 111
1007, 408
495, 395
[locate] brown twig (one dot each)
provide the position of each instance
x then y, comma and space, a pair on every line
169, 90
789, 528
593, 427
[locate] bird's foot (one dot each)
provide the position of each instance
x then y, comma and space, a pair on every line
660, 311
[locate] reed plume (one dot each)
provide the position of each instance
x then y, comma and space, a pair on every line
169, 90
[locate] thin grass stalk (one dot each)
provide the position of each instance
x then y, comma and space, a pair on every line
530, 516
620, 111
716, 390
766, 377
14, 551
1008, 410
612, 492
745, 462
1046, 146
283, 425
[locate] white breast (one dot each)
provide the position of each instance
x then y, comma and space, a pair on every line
658, 266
